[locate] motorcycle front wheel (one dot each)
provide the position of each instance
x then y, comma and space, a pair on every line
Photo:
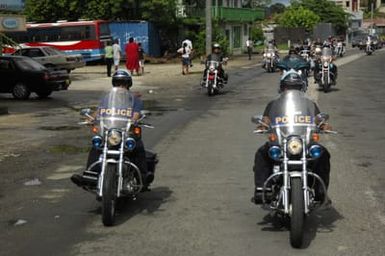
109, 199
297, 218
326, 87
210, 88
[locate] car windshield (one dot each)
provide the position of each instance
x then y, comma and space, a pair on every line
53, 51
28, 64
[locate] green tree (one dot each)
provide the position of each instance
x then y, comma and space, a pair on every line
52, 10
328, 12
298, 16
161, 12
257, 33
217, 37
277, 8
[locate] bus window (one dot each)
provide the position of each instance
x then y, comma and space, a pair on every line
104, 29
77, 33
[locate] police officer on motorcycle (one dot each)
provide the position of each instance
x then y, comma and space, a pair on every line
263, 164
121, 79
318, 63
218, 56
296, 62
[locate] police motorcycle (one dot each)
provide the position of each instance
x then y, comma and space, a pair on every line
270, 59
293, 191
325, 77
116, 134
340, 49
213, 80
300, 69
317, 51
305, 53
369, 49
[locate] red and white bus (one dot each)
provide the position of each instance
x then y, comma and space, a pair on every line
73, 37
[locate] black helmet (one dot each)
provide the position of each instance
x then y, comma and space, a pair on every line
121, 78
292, 80
293, 50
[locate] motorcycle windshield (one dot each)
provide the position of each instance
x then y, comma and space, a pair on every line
293, 114
326, 52
213, 64
115, 109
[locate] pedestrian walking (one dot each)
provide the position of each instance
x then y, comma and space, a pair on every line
117, 53
108, 57
141, 57
189, 44
249, 46
185, 51
132, 56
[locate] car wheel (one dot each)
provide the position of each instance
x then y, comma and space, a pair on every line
43, 94
20, 91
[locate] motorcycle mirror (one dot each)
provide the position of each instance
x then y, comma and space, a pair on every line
85, 111
145, 112
257, 119
322, 118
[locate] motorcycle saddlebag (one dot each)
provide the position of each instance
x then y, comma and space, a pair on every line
152, 160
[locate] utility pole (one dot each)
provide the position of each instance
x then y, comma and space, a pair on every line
208, 27
371, 17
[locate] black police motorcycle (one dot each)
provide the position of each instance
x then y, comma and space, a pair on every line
115, 175
292, 190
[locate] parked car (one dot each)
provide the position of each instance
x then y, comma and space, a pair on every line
22, 75
52, 58
359, 41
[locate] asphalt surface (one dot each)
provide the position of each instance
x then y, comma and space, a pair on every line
200, 202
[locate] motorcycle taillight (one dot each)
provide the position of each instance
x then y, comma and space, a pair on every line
211, 76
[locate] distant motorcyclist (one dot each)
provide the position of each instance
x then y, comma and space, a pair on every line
293, 61
218, 56
263, 164
122, 80
271, 47
296, 62
333, 67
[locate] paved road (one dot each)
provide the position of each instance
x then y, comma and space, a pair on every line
200, 201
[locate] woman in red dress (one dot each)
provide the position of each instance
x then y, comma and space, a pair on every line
132, 56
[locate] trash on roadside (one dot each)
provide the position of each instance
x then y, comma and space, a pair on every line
20, 222
33, 182
150, 91
57, 216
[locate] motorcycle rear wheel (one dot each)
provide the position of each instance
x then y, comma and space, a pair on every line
109, 199
297, 218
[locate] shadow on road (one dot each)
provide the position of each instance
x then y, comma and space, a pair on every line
331, 89
146, 203
320, 221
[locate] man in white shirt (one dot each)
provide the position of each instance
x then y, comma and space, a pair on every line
249, 45
189, 45
116, 51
